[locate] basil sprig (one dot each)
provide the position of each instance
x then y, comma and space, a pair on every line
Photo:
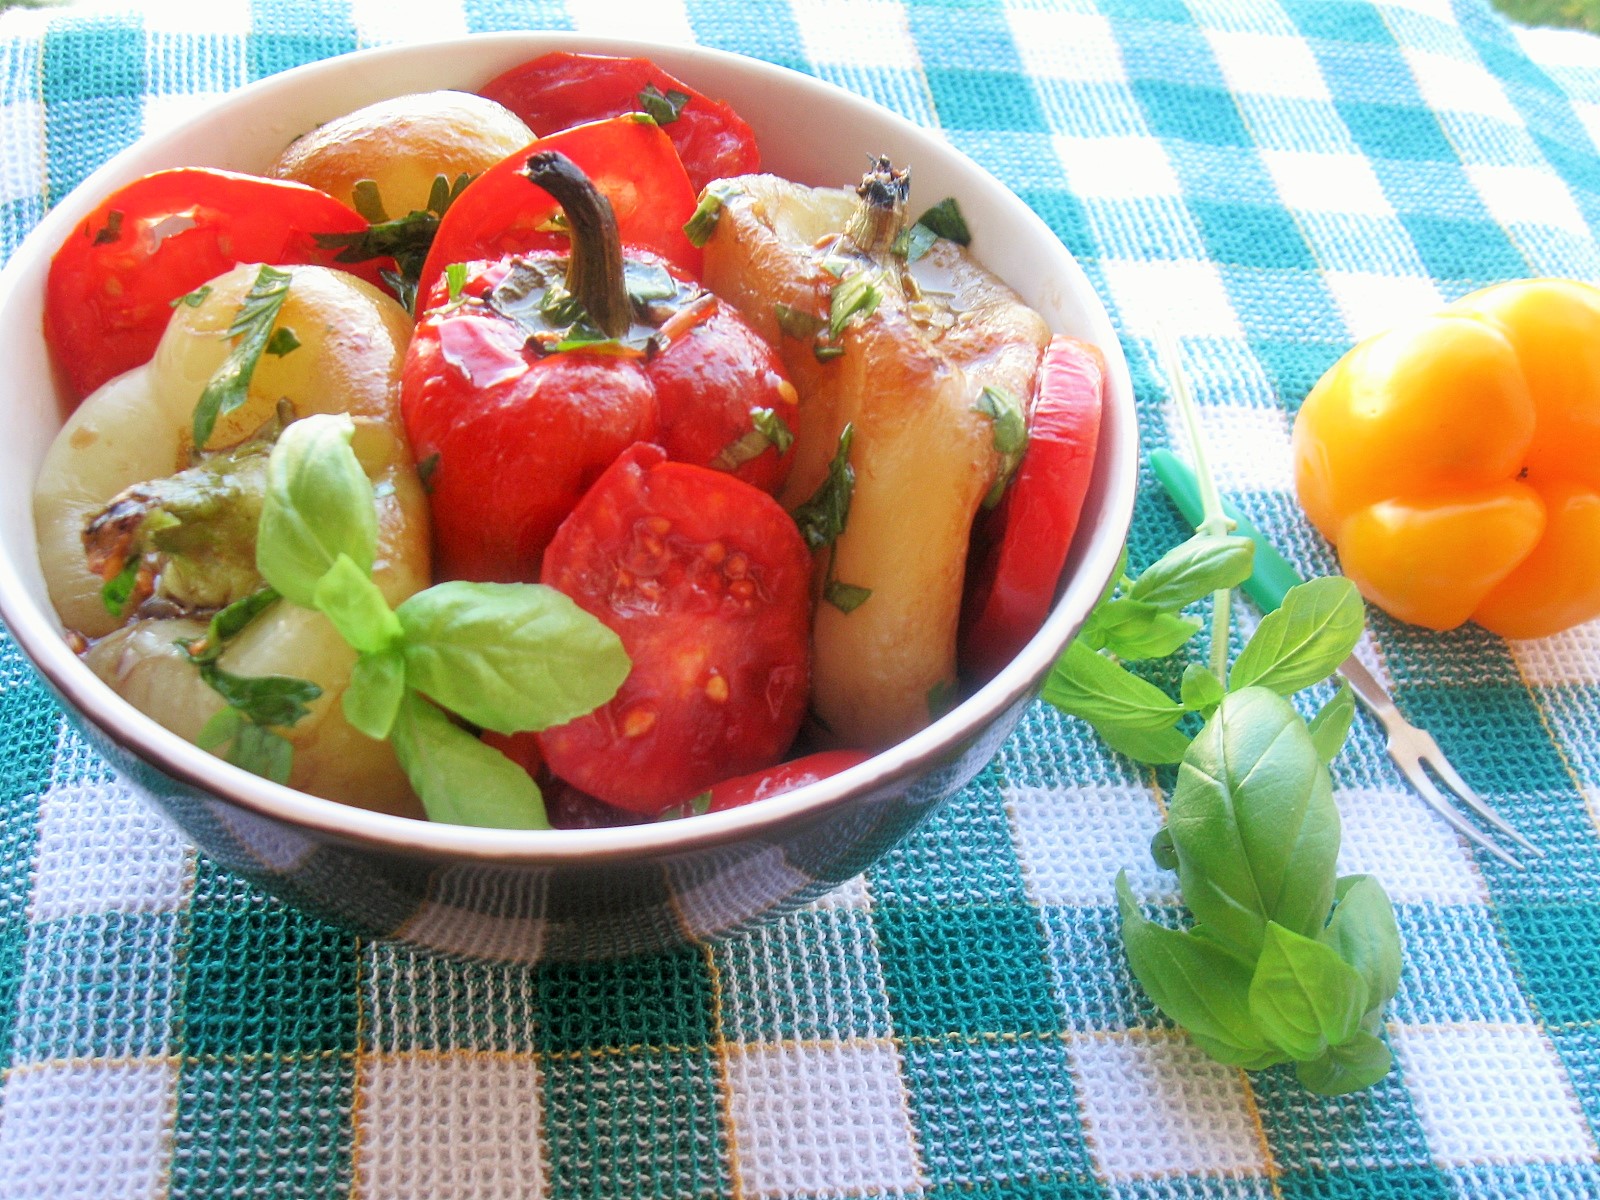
1284, 961
252, 326
506, 657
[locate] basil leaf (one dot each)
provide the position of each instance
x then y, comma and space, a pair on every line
227, 624
1331, 725
1132, 715
1191, 979
912, 242
372, 699
1010, 434
222, 726
318, 505
367, 200
347, 596
822, 518
262, 752
282, 341
111, 231
195, 298
1201, 690
664, 107
1134, 630
252, 325
796, 322
117, 592
702, 223
1190, 571
856, 295
1305, 640
1364, 934
1254, 823
509, 657
262, 699
1356, 1064
945, 219
1163, 851
767, 428
459, 780
455, 276
846, 597
1303, 996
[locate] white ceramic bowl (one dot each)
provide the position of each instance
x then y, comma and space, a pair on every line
567, 894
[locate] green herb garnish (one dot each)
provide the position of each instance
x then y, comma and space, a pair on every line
252, 326
703, 221
663, 106
1010, 436
856, 295
823, 517
767, 429
405, 239
195, 298
944, 220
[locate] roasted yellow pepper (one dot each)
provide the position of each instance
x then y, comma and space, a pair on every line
1454, 461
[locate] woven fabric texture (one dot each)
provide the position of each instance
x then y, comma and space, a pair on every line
1266, 179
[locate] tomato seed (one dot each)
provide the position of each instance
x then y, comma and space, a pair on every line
714, 552
717, 689
637, 722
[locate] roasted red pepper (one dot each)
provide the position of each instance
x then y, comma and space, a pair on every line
528, 375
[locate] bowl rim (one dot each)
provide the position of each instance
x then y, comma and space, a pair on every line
37, 631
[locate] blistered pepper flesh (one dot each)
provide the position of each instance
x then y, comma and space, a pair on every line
1454, 461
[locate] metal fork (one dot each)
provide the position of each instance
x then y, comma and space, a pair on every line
1413, 749
1415, 752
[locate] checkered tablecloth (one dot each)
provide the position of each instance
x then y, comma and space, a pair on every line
1268, 179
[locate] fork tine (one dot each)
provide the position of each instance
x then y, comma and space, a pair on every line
1436, 800
1435, 758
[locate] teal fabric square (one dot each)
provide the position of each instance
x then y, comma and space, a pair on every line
1294, 367
990, 1112
975, 98
1490, 733
1065, 215
1081, 761
263, 978
1476, 252
493, 16
968, 969
1251, 235
1456, 968
35, 726
1186, 112
963, 37
279, 38
898, 89
13, 946
101, 985
663, 1000
1336, 21
771, 34
1130, 13
639, 1121
1376, 1129
1169, 51
820, 980
1074, 1188
963, 855
1554, 945
1367, 73
1513, 1182
1090, 108
1222, 174
1395, 130
1364, 1183
1579, 1050
264, 1126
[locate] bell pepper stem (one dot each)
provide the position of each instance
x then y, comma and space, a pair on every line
1214, 521
594, 268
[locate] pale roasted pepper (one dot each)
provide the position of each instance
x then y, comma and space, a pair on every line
1454, 461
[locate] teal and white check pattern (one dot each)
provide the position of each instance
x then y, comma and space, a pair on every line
1266, 179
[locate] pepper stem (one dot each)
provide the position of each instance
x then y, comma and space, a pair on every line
879, 217
594, 266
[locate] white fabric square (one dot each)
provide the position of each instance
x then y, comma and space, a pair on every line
1559, 47
1063, 45
1452, 84
738, 890
1491, 1093
407, 20
1532, 195
164, 112
102, 850
175, 16
820, 1119
1187, 299
466, 1124
853, 894
87, 1130
1154, 1105
1562, 659
1246, 448
22, 151
1071, 844
878, 33
1415, 855
1343, 183
1268, 64
655, 20
496, 915
1127, 168
1373, 303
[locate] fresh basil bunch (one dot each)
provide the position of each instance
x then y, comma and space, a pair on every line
1284, 961
506, 657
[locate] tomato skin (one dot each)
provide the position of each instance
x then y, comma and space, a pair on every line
1021, 547
707, 581
112, 283
785, 777
633, 164
518, 438
709, 381
561, 89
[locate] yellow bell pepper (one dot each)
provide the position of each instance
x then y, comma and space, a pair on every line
1454, 461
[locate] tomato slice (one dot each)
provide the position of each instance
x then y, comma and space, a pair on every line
113, 282
509, 441
560, 89
1021, 547
631, 161
785, 777
707, 581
